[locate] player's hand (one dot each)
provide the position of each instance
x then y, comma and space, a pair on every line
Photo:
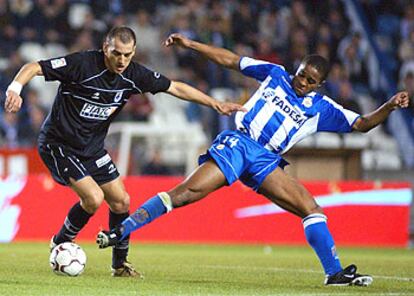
13, 102
399, 100
177, 39
227, 108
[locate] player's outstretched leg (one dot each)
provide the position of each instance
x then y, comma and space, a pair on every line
319, 237
204, 180
149, 211
288, 193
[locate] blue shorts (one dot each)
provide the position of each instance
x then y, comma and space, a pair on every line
63, 164
240, 157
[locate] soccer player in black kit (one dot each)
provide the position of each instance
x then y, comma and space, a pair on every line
94, 86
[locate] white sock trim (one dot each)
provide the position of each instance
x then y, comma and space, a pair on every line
166, 200
313, 219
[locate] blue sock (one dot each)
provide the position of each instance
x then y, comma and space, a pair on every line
150, 210
319, 237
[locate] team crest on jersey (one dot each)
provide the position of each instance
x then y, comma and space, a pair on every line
91, 111
118, 96
307, 102
58, 63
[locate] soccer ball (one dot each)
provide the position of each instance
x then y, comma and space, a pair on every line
67, 259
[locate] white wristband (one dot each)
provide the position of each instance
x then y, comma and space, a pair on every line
15, 86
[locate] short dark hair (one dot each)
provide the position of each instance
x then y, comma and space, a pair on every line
319, 63
124, 33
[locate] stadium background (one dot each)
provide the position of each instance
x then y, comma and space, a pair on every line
371, 48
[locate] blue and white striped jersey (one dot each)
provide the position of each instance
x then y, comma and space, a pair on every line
277, 118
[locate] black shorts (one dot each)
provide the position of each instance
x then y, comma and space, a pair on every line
63, 165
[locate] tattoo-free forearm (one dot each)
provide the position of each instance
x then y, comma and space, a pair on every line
189, 93
27, 72
218, 55
371, 120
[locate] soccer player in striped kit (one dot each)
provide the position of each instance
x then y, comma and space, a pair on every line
94, 86
284, 110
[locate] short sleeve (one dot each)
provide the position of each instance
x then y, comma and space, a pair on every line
150, 81
259, 69
334, 117
64, 69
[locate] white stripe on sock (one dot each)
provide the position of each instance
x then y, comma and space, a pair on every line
166, 200
313, 219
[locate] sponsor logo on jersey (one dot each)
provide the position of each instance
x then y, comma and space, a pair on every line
157, 75
283, 106
91, 111
58, 63
118, 96
287, 109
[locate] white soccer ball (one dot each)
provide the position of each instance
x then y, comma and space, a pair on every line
67, 259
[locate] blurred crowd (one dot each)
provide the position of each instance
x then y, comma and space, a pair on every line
279, 31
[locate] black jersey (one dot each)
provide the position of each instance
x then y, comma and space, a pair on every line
89, 97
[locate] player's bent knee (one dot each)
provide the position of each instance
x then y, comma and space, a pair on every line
90, 207
92, 203
120, 206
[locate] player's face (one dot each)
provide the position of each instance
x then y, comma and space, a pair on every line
118, 55
306, 80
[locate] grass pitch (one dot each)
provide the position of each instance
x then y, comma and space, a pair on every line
204, 270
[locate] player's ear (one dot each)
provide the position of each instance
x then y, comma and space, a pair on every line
105, 46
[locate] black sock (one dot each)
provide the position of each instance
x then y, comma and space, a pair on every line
120, 250
74, 222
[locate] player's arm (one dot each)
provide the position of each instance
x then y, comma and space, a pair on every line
218, 55
371, 120
189, 93
27, 72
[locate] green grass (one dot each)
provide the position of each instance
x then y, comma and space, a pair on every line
204, 270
